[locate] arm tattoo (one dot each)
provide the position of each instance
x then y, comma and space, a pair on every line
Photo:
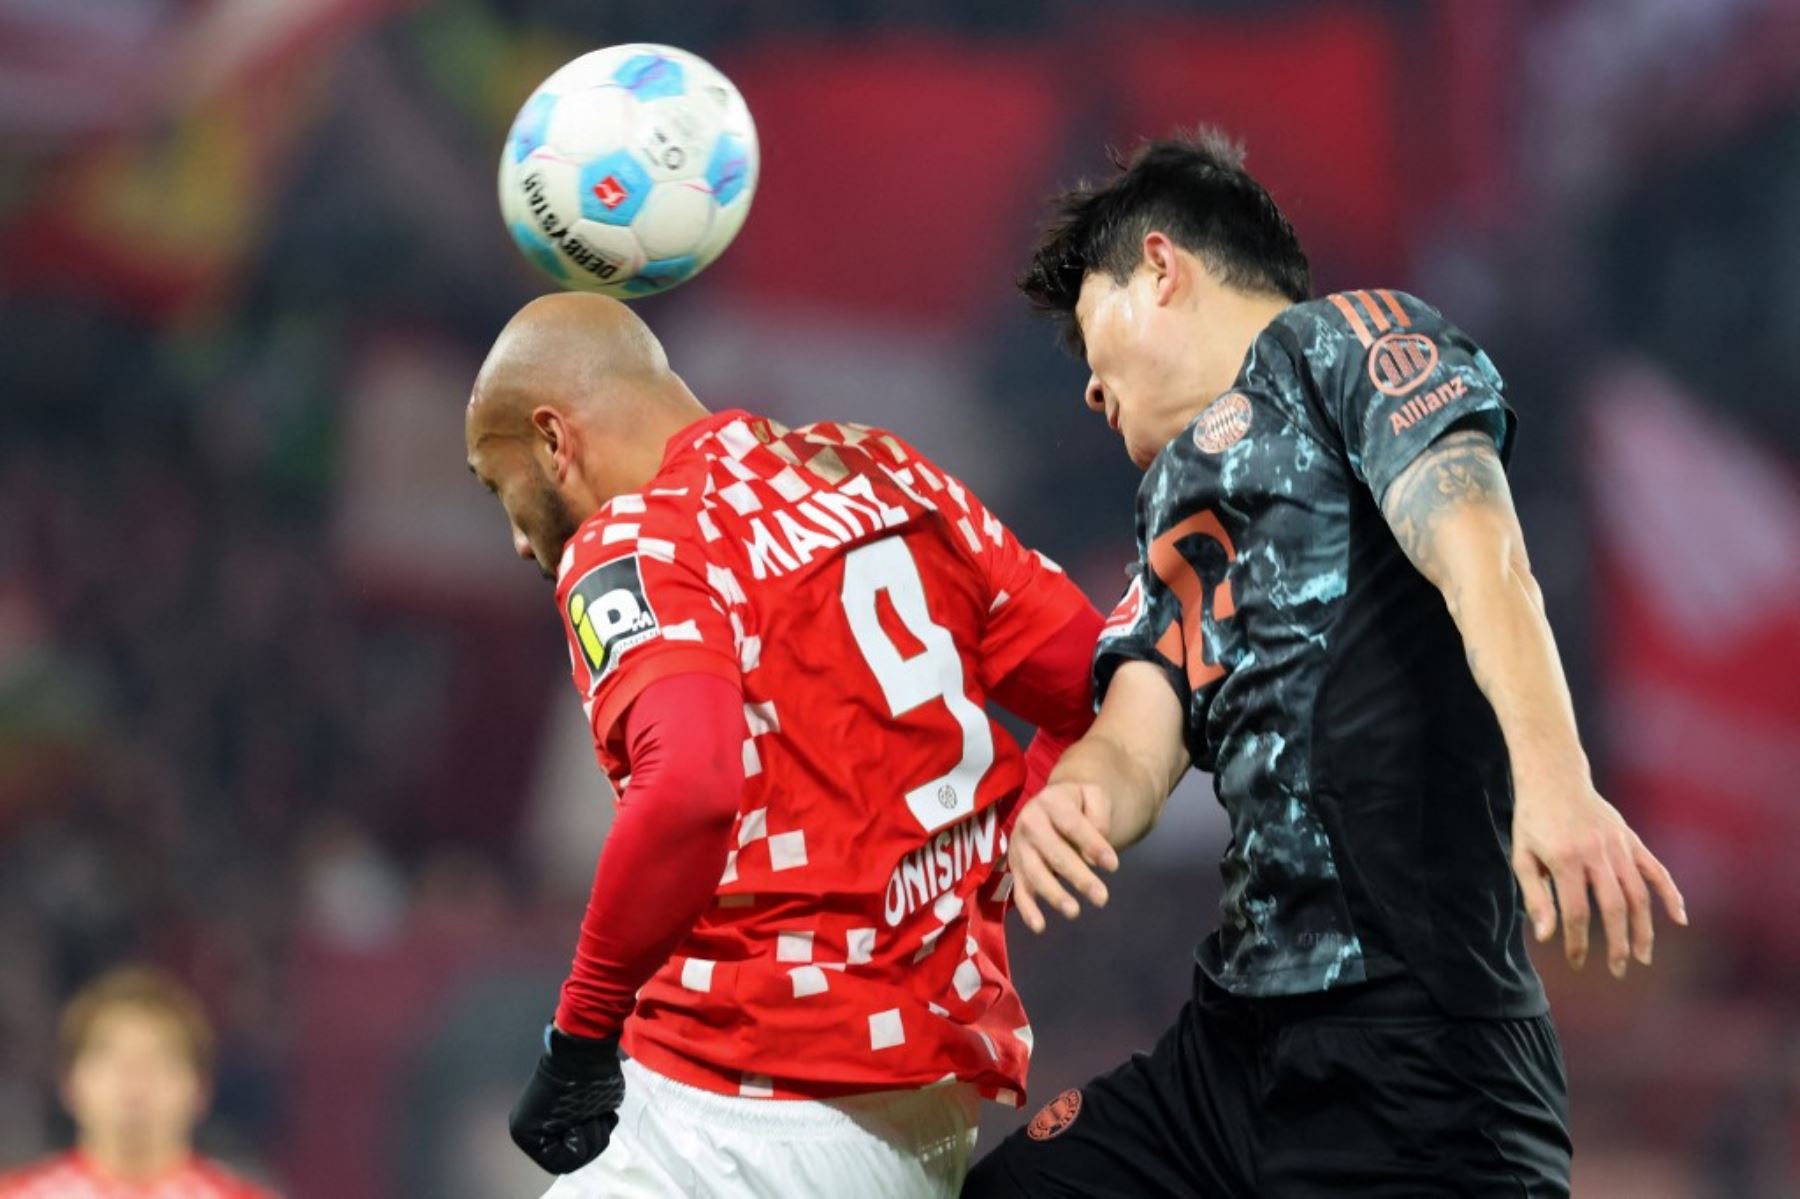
1459, 469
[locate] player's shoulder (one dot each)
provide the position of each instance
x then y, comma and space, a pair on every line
663, 523
788, 464
746, 463
1362, 315
907, 463
849, 440
43, 1179
1373, 336
215, 1181
1349, 324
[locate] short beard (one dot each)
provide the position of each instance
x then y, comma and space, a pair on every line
558, 525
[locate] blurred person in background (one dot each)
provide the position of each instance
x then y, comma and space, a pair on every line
1333, 615
783, 640
136, 1068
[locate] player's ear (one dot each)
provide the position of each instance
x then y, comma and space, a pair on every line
1164, 265
551, 433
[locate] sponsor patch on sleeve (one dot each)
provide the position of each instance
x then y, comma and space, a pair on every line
610, 614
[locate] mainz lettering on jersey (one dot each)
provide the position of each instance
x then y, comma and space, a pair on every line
823, 521
610, 613
939, 864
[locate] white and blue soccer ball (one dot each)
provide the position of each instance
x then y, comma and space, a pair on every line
629, 170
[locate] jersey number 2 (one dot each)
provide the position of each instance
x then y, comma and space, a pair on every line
936, 673
1178, 575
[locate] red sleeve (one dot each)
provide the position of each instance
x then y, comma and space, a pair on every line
1053, 688
684, 738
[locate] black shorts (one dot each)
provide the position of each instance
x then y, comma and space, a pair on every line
1371, 1091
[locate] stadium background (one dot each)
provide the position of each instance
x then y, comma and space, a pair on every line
279, 711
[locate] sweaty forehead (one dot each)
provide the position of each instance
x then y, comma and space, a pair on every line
488, 416
1094, 288
485, 456
481, 444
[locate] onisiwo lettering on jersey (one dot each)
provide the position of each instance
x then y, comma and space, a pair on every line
939, 866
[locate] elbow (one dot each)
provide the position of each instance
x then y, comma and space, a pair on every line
1512, 576
1518, 570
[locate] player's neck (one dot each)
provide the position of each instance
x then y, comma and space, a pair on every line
1229, 327
132, 1160
628, 459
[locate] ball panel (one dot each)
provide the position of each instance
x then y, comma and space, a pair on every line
675, 219
606, 255
675, 136
614, 187
590, 121
728, 168
542, 254
651, 75
593, 69
546, 190
726, 223
660, 274
528, 130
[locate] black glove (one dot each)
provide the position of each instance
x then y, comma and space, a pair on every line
569, 1109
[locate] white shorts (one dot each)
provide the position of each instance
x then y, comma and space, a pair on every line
673, 1139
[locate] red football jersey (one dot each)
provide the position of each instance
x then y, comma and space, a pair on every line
865, 602
73, 1176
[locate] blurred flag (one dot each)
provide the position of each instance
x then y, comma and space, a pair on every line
1698, 532
918, 211
163, 189
1319, 97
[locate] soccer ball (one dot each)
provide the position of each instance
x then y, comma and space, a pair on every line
629, 170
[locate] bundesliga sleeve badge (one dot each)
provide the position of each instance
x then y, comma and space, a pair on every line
610, 614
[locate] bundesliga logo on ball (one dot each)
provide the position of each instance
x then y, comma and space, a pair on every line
629, 170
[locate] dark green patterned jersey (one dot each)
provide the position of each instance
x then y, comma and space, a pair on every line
1324, 683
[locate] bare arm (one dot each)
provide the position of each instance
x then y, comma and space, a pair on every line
1452, 513
1134, 752
1104, 795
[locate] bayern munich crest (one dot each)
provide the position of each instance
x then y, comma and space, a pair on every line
1054, 1118
1223, 423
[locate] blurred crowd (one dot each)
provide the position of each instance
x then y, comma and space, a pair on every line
265, 724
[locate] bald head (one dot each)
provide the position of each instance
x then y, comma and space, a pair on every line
574, 405
571, 350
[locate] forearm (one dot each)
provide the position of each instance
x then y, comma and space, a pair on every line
661, 864
1136, 787
1512, 654
655, 878
1451, 512
1103, 796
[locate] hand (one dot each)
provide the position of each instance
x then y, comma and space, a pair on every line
1577, 840
1060, 835
569, 1109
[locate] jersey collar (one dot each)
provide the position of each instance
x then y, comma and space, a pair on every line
684, 441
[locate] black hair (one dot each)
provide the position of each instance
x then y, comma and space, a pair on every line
1193, 188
